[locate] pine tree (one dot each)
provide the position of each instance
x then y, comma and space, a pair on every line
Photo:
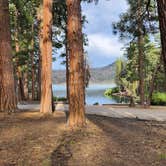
162, 21
7, 85
46, 52
141, 52
76, 71
134, 25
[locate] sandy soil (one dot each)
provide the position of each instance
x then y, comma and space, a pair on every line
29, 139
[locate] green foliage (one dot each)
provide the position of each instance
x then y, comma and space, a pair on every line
139, 16
111, 91
162, 156
59, 99
159, 98
127, 27
96, 103
119, 68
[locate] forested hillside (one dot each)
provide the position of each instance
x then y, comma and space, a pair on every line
104, 74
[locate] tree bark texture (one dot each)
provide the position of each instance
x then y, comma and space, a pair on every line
141, 53
40, 23
67, 71
32, 66
26, 88
151, 86
7, 84
20, 83
46, 52
76, 69
162, 22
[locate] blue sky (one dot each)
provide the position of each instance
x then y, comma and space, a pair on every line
104, 48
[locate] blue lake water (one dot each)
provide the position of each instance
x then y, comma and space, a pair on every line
94, 93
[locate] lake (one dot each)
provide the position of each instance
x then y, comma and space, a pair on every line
94, 93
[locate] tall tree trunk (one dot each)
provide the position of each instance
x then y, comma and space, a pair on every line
26, 88
39, 79
67, 71
21, 95
40, 24
32, 65
7, 87
141, 53
162, 21
76, 71
151, 89
20, 87
46, 51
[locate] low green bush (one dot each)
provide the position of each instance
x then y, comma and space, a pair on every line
59, 98
111, 91
158, 98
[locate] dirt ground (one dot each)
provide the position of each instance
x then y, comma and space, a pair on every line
28, 139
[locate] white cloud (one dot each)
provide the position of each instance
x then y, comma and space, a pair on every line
103, 47
105, 12
107, 46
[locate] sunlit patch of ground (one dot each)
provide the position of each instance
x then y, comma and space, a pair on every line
29, 139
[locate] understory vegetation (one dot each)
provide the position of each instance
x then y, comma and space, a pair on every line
140, 72
158, 98
63, 99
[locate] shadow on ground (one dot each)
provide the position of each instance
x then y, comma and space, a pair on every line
111, 141
29, 139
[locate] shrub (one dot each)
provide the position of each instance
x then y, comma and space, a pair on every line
96, 103
158, 98
111, 91
59, 98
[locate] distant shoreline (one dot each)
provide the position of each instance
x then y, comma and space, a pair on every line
103, 75
91, 83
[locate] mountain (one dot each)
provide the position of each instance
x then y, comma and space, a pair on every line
100, 75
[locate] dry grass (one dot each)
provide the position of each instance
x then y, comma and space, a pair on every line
29, 139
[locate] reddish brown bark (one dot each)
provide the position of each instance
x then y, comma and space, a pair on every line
21, 95
40, 23
162, 21
39, 79
20, 86
76, 70
141, 53
67, 72
152, 83
26, 89
7, 87
46, 52
32, 65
